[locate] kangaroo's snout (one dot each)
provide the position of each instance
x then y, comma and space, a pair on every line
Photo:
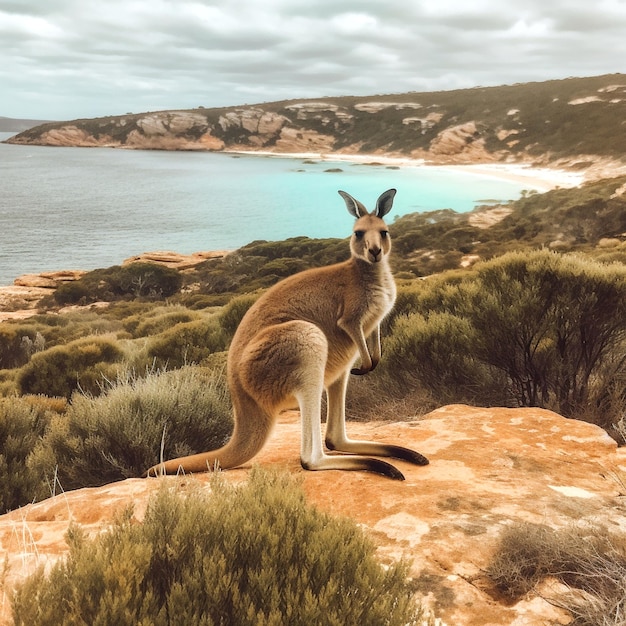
375, 253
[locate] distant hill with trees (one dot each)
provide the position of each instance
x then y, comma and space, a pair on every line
575, 122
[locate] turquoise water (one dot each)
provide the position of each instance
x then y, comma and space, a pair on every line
83, 208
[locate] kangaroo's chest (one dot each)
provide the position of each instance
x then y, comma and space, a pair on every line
378, 302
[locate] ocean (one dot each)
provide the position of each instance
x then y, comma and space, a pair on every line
87, 208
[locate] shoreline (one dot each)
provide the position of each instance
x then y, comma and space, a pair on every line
539, 178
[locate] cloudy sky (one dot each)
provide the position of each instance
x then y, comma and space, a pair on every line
64, 59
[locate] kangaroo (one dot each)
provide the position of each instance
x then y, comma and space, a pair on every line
302, 336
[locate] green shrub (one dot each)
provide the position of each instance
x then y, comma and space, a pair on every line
81, 364
18, 343
434, 351
73, 292
589, 561
162, 319
135, 280
254, 555
545, 330
233, 312
22, 424
187, 343
61, 329
120, 433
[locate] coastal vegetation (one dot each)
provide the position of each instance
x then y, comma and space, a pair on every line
520, 304
536, 319
254, 554
589, 565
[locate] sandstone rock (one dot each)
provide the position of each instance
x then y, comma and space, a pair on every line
488, 217
22, 299
257, 121
48, 280
461, 143
19, 302
323, 111
308, 110
209, 142
425, 123
298, 140
175, 259
619, 192
585, 100
168, 141
609, 242
175, 123
489, 468
35, 280
505, 134
71, 136
376, 107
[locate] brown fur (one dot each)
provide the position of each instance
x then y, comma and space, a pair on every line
304, 335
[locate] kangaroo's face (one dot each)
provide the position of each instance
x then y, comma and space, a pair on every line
370, 239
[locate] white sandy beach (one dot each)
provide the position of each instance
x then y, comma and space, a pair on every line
539, 179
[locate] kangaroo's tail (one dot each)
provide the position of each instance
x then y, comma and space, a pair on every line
253, 426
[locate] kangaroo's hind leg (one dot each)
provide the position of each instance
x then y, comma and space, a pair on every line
337, 438
292, 366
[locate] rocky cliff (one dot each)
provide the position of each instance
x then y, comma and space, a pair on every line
573, 122
490, 468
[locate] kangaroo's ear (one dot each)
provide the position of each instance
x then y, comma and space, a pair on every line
354, 206
384, 203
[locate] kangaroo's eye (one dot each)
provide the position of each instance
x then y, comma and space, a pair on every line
384, 233
359, 234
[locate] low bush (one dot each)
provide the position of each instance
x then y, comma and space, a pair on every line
434, 351
81, 364
232, 314
525, 329
187, 343
589, 561
255, 554
135, 280
22, 424
17, 344
122, 432
162, 319
56, 330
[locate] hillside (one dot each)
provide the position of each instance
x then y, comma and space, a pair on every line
573, 122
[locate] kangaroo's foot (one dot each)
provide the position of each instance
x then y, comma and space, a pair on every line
378, 449
354, 463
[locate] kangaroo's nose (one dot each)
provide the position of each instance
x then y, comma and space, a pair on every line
375, 252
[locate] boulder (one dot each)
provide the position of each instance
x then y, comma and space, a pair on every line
489, 468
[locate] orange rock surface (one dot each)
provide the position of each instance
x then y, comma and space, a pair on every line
488, 468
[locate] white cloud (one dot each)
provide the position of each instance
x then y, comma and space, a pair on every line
82, 58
